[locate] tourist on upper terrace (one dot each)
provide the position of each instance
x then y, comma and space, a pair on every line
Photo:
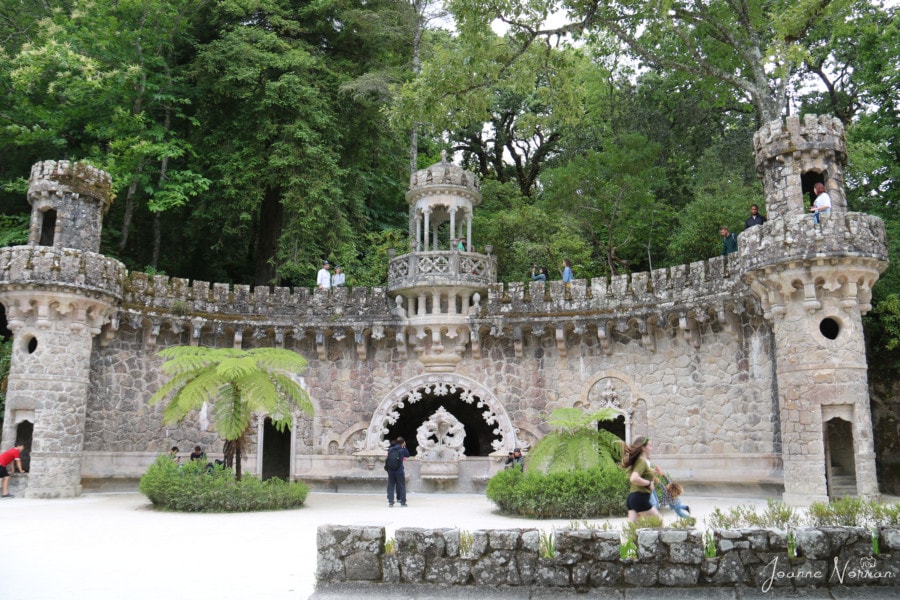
538, 273
323, 279
338, 279
636, 459
173, 454
567, 272
755, 218
729, 241
13, 455
822, 203
461, 246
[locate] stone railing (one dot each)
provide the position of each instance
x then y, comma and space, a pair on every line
583, 559
441, 268
61, 268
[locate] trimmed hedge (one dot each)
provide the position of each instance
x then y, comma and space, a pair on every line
197, 487
580, 494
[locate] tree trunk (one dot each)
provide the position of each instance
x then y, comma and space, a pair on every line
128, 217
271, 223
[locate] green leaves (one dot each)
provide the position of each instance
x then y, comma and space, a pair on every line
577, 444
235, 382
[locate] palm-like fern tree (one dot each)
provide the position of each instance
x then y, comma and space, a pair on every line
236, 383
576, 444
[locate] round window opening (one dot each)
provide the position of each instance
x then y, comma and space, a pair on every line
830, 328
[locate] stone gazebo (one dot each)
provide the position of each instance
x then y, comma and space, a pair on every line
436, 287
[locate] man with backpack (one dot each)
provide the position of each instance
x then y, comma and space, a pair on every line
397, 453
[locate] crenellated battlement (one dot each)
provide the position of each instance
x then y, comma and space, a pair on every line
795, 238
181, 296
86, 272
679, 285
63, 177
794, 154
815, 134
444, 174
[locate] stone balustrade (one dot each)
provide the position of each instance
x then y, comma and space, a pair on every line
441, 268
442, 559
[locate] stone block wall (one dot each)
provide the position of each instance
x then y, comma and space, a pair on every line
585, 559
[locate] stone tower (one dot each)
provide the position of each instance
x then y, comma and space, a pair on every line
814, 282
441, 282
58, 293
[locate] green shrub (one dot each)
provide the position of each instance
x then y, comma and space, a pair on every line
576, 494
195, 487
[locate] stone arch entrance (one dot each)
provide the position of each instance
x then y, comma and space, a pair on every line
487, 425
612, 390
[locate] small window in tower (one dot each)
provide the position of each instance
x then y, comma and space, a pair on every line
48, 228
830, 328
31, 344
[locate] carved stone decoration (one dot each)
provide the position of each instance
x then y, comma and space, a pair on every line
440, 439
612, 393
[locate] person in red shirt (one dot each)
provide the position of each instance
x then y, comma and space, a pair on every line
12, 455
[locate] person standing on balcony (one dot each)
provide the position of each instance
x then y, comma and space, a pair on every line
822, 203
338, 279
567, 275
323, 279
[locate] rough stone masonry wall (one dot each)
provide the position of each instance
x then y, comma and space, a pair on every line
708, 407
584, 559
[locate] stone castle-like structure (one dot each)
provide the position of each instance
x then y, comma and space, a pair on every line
745, 369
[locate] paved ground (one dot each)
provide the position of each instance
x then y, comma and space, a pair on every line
115, 547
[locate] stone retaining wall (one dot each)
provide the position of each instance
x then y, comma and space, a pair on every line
584, 558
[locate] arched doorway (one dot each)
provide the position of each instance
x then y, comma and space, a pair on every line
487, 426
276, 451
611, 390
616, 426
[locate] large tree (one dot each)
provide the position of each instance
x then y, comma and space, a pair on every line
755, 46
100, 82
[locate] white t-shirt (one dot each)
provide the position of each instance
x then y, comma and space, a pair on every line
823, 203
323, 280
338, 279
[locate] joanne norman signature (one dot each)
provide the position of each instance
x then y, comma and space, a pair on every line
839, 573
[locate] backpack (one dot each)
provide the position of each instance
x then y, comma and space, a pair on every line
394, 461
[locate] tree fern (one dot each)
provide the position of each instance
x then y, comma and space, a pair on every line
576, 444
236, 383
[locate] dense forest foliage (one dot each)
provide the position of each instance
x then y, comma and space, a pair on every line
250, 139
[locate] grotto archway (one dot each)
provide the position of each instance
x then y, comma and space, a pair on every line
406, 407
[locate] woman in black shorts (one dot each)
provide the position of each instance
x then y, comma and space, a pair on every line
641, 476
